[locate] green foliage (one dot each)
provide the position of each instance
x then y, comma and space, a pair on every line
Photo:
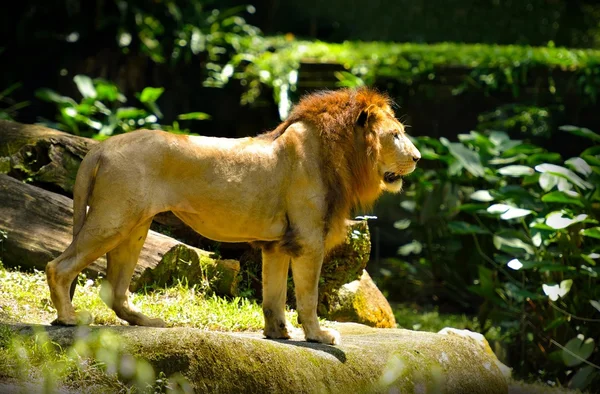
174, 31
102, 110
525, 221
8, 106
275, 62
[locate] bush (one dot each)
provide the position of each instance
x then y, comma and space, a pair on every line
102, 112
517, 227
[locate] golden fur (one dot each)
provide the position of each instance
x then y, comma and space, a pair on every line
288, 191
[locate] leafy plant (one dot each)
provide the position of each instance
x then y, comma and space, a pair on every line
525, 222
10, 107
102, 110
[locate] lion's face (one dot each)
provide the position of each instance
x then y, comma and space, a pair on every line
397, 156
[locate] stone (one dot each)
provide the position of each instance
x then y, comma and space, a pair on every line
369, 360
362, 302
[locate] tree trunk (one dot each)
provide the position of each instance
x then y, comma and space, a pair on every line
46, 157
36, 226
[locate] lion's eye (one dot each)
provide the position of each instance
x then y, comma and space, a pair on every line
397, 136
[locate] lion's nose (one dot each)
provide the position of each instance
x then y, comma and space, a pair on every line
416, 157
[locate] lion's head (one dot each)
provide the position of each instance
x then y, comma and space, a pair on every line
397, 156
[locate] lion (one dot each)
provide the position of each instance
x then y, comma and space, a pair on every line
288, 191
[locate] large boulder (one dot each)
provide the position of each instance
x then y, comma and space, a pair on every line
369, 360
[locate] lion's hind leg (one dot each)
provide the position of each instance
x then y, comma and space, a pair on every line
121, 262
62, 271
275, 267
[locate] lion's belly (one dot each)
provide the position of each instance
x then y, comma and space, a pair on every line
225, 228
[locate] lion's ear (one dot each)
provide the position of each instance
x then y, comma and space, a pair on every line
365, 116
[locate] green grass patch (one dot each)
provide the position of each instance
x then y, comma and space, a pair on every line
412, 317
24, 297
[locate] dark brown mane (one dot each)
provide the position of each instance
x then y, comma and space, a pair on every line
349, 155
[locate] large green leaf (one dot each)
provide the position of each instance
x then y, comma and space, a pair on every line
577, 350
564, 173
582, 132
566, 197
85, 86
468, 158
516, 170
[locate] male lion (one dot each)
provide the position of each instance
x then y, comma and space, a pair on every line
288, 191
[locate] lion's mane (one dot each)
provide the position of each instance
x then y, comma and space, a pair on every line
348, 155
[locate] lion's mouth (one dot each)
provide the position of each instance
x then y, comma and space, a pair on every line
391, 177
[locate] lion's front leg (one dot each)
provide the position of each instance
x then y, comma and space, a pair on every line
306, 270
274, 279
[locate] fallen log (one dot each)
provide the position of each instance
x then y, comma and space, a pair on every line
36, 226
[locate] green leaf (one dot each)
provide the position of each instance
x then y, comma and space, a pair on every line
516, 170
130, 113
593, 232
557, 220
511, 244
582, 378
481, 195
554, 292
150, 94
548, 181
566, 197
595, 304
582, 132
508, 212
413, 247
85, 86
539, 158
53, 97
466, 228
579, 165
591, 160
564, 173
468, 158
194, 116
402, 224
577, 350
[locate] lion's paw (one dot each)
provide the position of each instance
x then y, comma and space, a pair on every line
326, 335
281, 331
82, 318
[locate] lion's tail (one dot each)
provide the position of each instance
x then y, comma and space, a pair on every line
84, 184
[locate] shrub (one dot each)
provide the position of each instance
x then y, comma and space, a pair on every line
517, 226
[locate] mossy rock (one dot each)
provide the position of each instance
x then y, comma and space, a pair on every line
369, 360
194, 267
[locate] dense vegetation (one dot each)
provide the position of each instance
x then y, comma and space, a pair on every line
500, 221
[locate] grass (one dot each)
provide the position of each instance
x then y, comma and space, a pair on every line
413, 317
98, 364
24, 297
